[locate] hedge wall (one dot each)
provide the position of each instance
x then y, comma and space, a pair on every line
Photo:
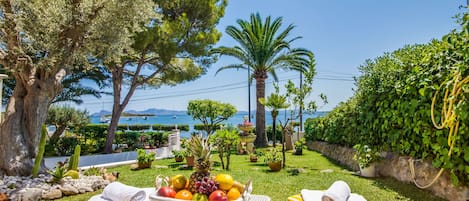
391, 107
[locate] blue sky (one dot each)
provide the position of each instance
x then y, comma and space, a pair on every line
341, 34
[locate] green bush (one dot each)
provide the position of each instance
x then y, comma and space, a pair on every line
200, 127
391, 108
66, 145
278, 132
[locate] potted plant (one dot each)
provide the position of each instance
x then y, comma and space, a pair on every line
366, 157
179, 155
273, 159
144, 159
253, 157
299, 146
187, 153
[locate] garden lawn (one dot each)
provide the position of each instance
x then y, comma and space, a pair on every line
280, 185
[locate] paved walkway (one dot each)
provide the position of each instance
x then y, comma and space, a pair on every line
107, 160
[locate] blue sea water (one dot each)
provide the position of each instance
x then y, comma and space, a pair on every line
188, 120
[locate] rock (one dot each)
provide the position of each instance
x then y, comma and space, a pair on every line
29, 194
68, 189
52, 194
327, 171
19, 188
84, 189
134, 167
3, 196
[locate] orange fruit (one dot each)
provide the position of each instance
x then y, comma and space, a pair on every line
225, 181
233, 194
178, 182
183, 195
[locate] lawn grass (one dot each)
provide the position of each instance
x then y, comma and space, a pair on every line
280, 185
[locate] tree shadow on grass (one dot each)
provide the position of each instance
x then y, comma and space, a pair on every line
405, 190
258, 164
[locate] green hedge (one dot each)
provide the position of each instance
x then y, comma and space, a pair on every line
156, 127
93, 137
200, 127
391, 108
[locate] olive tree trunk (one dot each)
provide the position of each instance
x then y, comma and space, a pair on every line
25, 113
57, 133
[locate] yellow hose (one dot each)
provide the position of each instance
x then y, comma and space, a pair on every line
449, 118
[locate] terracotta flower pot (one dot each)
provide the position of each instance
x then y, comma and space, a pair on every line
275, 166
143, 165
179, 158
190, 161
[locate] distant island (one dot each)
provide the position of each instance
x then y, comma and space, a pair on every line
126, 114
156, 112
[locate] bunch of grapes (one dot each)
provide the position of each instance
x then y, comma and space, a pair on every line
206, 186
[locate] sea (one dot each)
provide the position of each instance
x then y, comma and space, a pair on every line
167, 119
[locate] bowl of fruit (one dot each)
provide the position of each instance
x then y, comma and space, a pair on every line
200, 186
221, 187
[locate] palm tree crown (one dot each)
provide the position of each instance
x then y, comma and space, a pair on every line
263, 48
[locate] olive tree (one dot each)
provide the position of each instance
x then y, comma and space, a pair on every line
63, 117
40, 46
210, 113
170, 50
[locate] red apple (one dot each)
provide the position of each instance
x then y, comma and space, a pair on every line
166, 191
218, 195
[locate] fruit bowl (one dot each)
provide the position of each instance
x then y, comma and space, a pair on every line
160, 193
154, 197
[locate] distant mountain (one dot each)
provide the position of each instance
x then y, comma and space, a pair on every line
157, 112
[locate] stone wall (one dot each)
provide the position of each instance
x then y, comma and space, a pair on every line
399, 167
343, 155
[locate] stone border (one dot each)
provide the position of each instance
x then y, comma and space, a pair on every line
398, 167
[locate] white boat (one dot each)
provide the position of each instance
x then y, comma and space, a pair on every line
104, 119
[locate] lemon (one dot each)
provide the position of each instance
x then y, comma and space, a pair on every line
225, 181
178, 182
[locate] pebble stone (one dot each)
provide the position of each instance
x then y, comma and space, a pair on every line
32, 189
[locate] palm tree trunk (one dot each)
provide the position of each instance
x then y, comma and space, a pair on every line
261, 139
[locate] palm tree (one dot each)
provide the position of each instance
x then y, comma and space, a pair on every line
263, 48
275, 102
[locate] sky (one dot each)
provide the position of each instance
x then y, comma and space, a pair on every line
341, 34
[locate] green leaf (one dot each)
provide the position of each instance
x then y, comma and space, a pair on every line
422, 91
454, 179
466, 154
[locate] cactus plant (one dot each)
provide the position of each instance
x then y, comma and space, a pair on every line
74, 159
40, 152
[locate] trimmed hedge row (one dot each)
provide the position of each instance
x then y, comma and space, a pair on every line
93, 137
391, 108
